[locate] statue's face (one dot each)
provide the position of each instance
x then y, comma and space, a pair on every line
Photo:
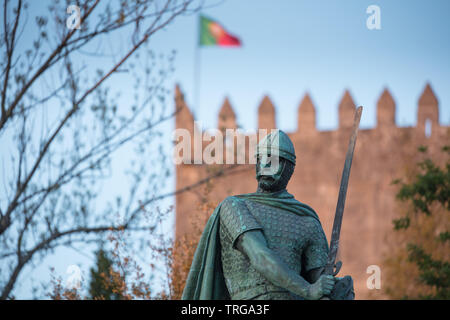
275, 179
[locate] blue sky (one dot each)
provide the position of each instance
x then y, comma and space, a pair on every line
320, 47
290, 48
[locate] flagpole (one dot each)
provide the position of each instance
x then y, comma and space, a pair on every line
197, 72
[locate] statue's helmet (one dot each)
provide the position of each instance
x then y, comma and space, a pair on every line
277, 143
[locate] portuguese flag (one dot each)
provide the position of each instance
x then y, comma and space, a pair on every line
213, 34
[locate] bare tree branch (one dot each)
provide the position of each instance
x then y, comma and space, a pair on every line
8, 113
63, 147
9, 48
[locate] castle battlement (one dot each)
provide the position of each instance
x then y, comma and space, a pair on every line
427, 113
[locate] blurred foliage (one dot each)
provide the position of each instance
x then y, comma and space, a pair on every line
421, 268
117, 275
101, 277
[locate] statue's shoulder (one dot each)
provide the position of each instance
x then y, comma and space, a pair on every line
311, 219
313, 223
231, 202
228, 200
234, 207
304, 222
236, 218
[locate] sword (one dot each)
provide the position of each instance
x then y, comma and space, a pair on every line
332, 268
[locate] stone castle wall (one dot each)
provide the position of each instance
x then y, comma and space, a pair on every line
382, 154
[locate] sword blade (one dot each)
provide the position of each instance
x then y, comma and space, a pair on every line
336, 231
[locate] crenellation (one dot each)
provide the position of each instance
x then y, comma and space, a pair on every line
306, 116
428, 112
346, 110
385, 110
266, 114
227, 117
183, 117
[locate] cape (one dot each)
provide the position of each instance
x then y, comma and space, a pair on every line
205, 280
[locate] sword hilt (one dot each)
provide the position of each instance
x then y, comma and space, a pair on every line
337, 268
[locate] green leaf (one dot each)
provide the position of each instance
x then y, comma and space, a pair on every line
401, 223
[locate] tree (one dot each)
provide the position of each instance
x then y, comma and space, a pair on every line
60, 124
99, 285
421, 269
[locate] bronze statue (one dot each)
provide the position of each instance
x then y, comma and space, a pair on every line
265, 245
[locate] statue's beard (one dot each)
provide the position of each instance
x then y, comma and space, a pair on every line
267, 183
276, 183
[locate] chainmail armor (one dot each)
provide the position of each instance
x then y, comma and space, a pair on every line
298, 240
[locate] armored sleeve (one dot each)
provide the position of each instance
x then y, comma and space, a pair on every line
316, 253
235, 218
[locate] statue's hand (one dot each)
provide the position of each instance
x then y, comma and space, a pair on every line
343, 289
322, 287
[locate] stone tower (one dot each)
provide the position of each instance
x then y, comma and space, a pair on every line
346, 111
428, 113
306, 116
227, 117
386, 110
266, 114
